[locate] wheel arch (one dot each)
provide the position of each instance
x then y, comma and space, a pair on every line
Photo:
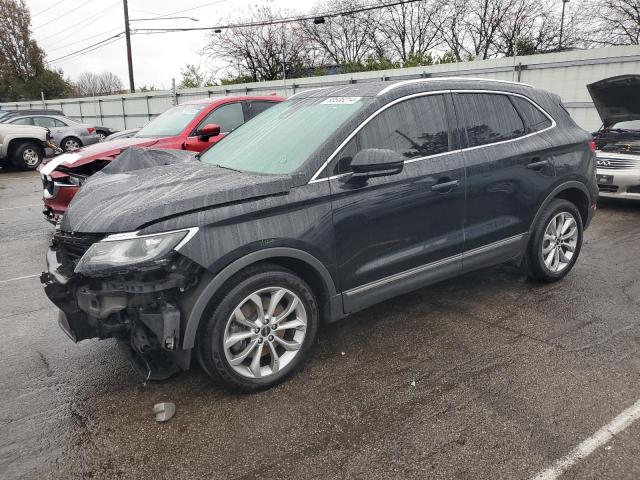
64, 139
17, 141
308, 267
572, 191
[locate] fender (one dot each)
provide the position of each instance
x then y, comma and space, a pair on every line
554, 193
204, 295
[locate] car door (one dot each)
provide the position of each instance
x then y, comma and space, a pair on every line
396, 233
229, 116
57, 129
507, 166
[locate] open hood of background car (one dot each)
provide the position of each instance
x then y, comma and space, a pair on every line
617, 99
125, 201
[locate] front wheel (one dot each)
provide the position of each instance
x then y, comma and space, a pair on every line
71, 144
27, 156
556, 242
261, 331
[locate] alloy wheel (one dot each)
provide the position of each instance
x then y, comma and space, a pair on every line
265, 332
30, 157
559, 242
70, 145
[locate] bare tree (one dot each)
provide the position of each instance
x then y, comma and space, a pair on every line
408, 30
258, 51
345, 38
90, 84
616, 22
529, 26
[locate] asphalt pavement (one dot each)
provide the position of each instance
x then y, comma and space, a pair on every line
488, 376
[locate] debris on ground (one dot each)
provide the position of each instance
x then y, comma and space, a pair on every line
164, 411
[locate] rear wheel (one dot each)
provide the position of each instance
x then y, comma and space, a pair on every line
70, 144
27, 156
556, 242
261, 331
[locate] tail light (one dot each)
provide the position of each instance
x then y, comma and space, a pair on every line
91, 130
592, 145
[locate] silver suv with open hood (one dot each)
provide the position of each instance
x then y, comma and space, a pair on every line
617, 100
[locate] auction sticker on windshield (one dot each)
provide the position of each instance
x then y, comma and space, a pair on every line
340, 100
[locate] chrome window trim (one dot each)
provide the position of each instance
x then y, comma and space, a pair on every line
315, 179
439, 79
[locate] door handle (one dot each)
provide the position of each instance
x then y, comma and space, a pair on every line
445, 186
537, 164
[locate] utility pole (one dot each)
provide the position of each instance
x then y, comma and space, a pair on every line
564, 3
127, 35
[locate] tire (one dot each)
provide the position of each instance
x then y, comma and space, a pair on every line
70, 144
102, 135
548, 258
235, 366
27, 156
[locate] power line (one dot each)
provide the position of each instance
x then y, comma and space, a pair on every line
282, 20
111, 30
47, 9
96, 17
85, 49
192, 8
48, 22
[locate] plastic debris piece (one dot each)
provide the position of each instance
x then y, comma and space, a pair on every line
413, 383
342, 353
164, 411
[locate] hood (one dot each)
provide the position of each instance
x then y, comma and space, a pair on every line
126, 201
94, 152
617, 99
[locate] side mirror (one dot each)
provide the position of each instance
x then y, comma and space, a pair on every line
209, 130
376, 162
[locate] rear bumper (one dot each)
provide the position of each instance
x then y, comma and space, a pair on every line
625, 183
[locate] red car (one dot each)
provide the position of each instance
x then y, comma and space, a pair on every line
192, 126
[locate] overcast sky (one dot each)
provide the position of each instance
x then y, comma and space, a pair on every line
64, 26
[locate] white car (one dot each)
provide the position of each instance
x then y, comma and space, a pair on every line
23, 146
618, 141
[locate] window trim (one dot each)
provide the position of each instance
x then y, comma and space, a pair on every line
315, 178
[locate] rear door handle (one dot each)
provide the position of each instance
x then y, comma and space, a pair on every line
537, 164
445, 187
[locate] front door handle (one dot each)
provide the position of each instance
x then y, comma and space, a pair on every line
445, 186
537, 164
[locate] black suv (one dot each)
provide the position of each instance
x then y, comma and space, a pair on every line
321, 206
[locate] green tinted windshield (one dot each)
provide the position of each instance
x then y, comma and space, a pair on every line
282, 138
170, 123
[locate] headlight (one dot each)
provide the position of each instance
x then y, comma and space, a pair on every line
125, 251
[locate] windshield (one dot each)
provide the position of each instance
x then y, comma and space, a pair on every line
282, 138
171, 122
628, 125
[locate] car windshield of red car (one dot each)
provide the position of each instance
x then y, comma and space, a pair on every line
170, 123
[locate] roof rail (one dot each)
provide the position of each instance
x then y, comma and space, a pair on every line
433, 79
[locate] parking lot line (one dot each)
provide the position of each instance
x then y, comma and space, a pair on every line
588, 446
21, 206
20, 278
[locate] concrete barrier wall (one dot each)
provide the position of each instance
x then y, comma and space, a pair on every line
564, 73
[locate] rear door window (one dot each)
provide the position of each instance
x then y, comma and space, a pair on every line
46, 122
488, 118
228, 116
414, 128
534, 118
257, 107
22, 121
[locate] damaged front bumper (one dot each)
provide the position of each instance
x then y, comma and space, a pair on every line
140, 309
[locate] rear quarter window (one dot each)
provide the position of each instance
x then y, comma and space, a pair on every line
488, 118
534, 118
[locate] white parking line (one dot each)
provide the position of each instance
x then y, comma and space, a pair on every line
598, 439
20, 278
21, 206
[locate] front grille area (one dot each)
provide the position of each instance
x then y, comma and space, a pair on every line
72, 246
608, 188
617, 163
